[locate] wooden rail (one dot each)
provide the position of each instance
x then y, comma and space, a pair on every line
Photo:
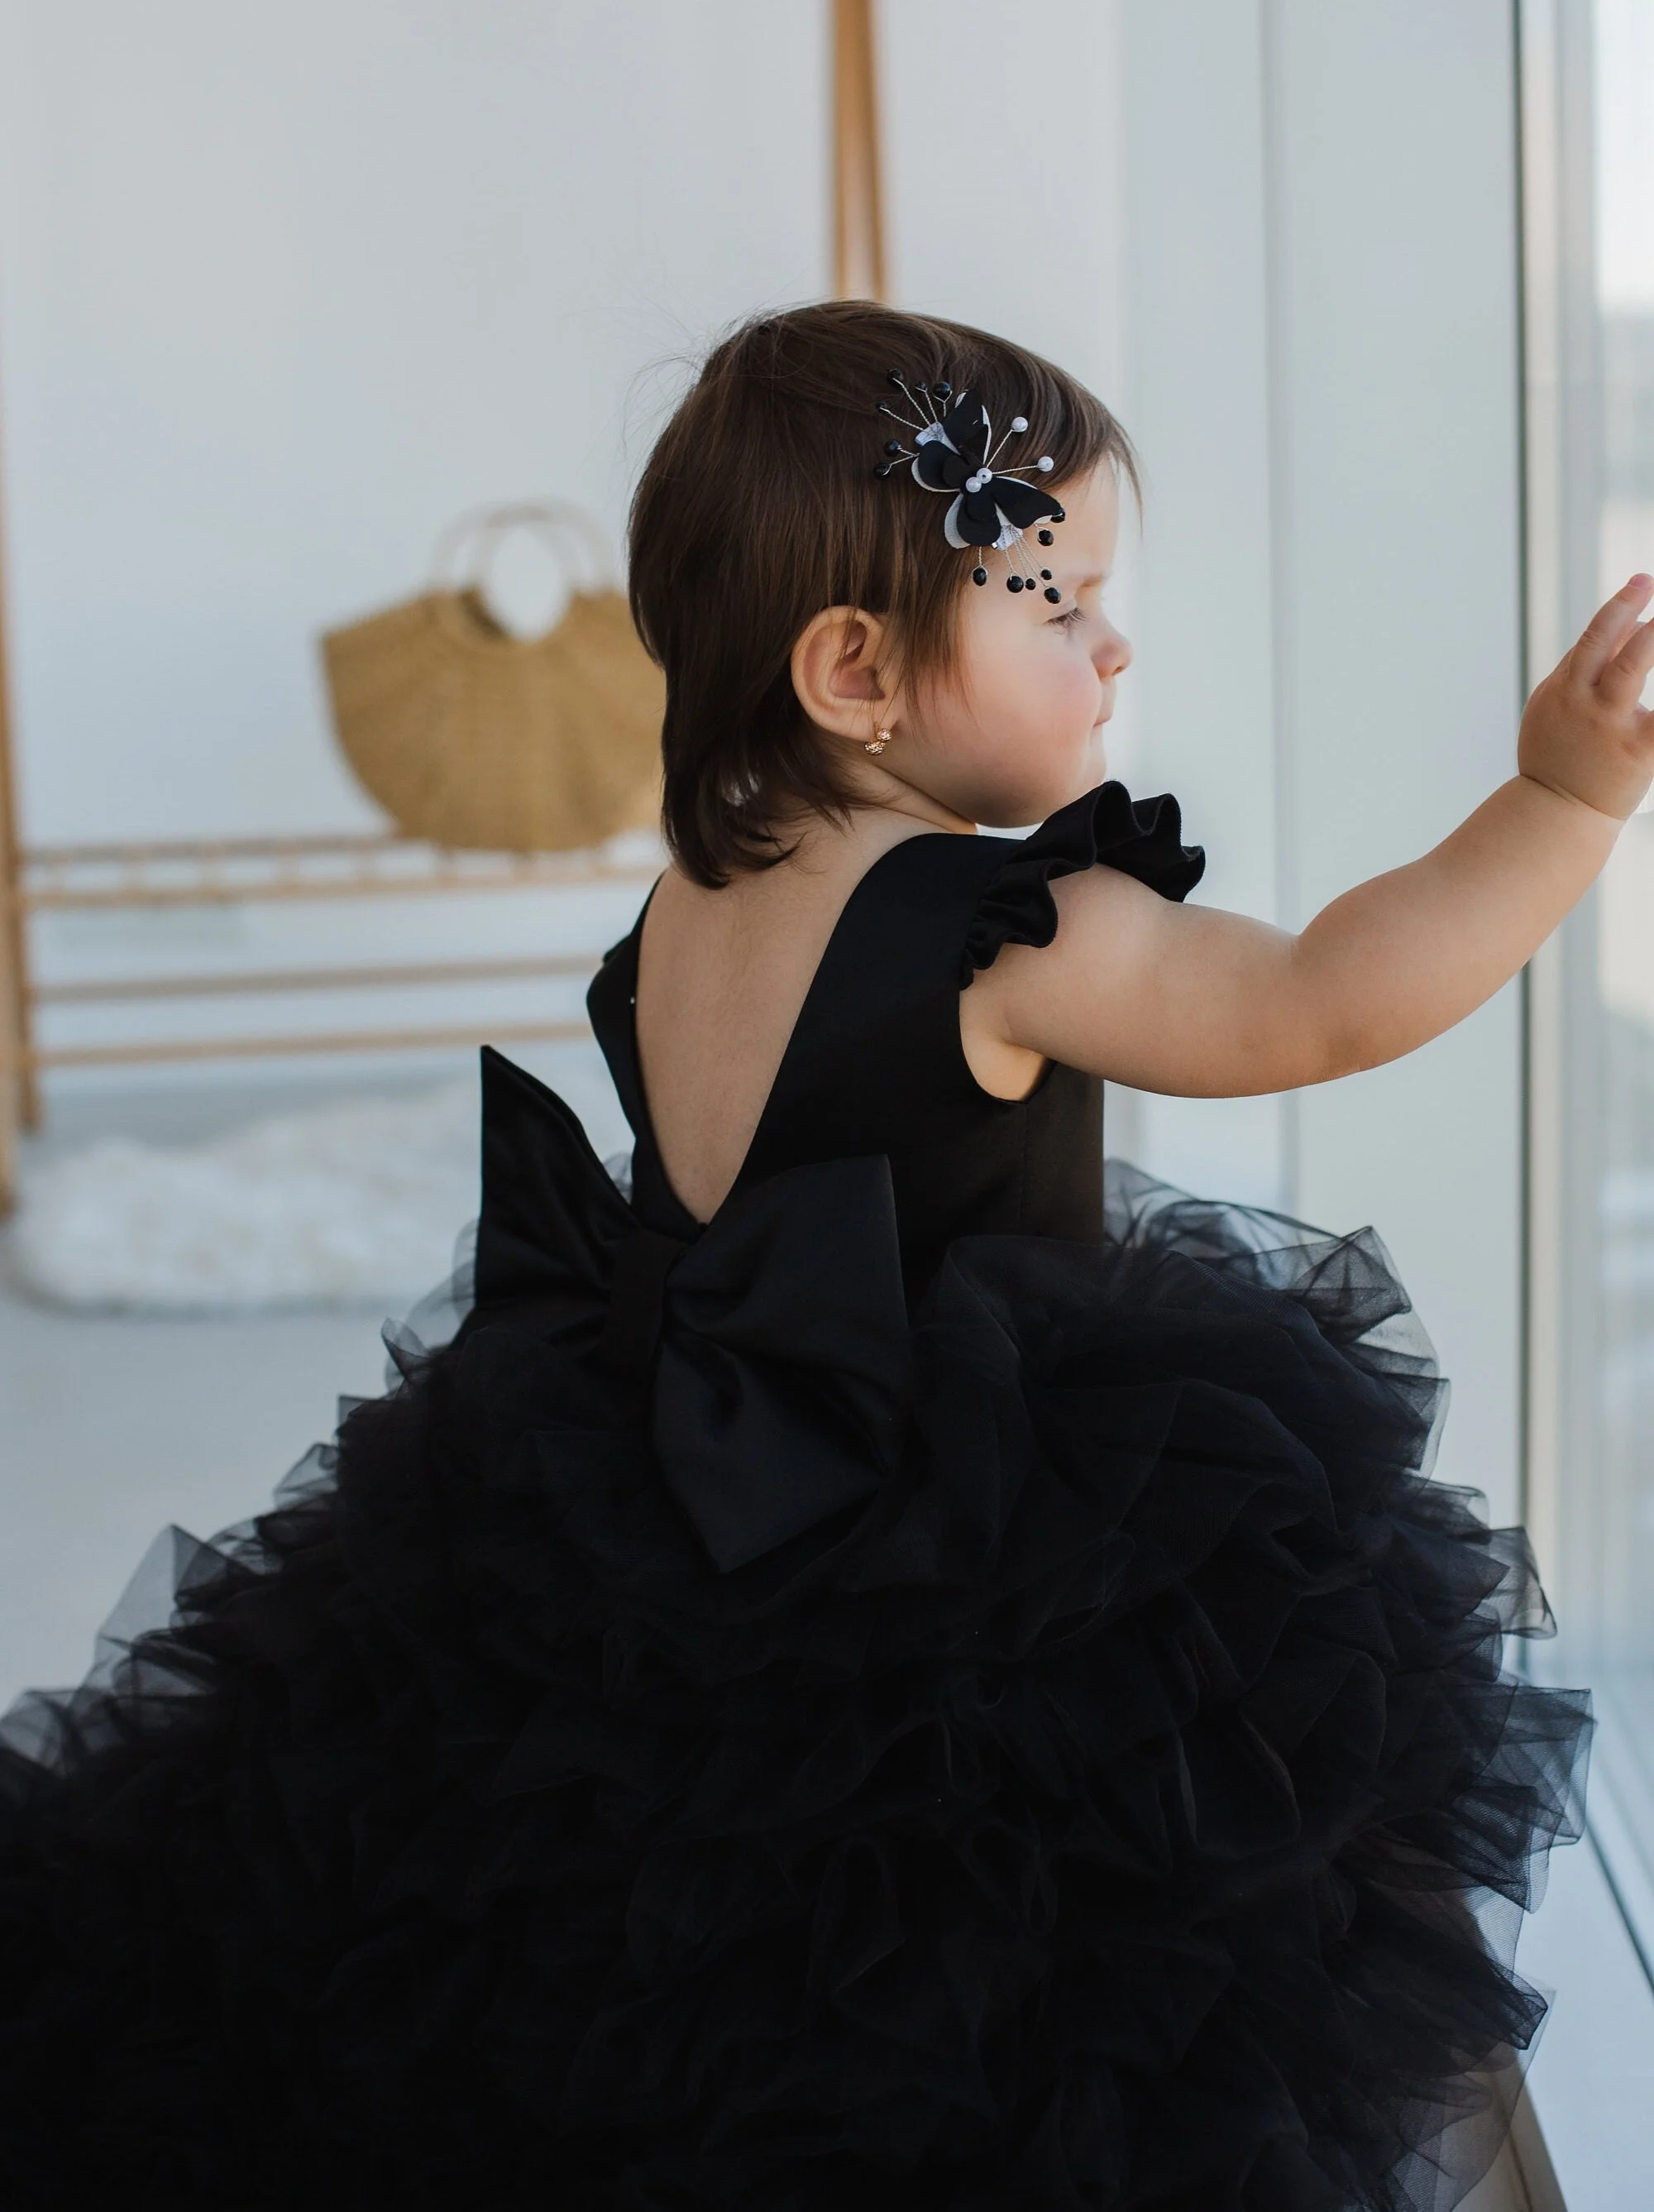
223, 870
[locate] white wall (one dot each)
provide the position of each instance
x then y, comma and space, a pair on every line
1322, 262
282, 290
1402, 363
1198, 401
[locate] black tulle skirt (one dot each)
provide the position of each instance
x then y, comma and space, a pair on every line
1113, 1809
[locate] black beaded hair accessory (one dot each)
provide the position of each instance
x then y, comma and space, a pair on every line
956, 453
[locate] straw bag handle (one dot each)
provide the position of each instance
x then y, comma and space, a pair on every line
466, 549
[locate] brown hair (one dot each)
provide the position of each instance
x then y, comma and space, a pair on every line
759, 507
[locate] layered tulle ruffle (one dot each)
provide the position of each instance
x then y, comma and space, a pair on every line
1090, 1809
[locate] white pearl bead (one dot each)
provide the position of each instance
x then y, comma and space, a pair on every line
1019, 422
1044, 465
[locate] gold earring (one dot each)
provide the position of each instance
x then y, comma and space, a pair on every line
876, 744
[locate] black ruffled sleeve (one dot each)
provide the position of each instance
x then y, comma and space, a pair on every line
1108, 828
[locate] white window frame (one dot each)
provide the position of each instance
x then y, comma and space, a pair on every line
1590, 2081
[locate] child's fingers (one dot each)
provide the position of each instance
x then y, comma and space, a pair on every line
1608, 627
1621, 681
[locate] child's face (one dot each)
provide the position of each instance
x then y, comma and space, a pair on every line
1015, 729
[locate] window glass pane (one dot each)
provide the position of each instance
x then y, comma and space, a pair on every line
1603, 1574
1624, 77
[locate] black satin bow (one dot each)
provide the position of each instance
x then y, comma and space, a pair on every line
978, 516
774, 1346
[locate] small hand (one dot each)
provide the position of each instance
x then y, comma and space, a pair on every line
1583, 733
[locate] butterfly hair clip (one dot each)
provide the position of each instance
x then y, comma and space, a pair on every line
955, 453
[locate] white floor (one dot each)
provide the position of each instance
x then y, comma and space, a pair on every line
112, 1426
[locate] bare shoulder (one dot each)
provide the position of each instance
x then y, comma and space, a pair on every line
1004, 1016
1152, 991
1110, 929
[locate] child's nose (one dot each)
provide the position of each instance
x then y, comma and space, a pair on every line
1114, 654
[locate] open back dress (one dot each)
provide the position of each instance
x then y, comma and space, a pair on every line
949, 1688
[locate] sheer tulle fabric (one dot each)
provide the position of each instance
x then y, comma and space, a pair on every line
1094, 1813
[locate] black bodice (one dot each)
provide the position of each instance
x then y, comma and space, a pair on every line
875, 1064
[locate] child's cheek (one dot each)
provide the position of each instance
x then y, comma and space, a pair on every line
1070, 693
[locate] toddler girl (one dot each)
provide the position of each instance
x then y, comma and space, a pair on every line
882, 1667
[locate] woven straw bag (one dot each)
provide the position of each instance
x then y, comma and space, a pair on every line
470, 736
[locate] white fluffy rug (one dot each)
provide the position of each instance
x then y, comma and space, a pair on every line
355, 1204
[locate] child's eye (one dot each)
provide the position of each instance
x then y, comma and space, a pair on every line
1063, 620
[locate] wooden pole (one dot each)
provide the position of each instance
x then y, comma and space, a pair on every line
858, 266
20, 1101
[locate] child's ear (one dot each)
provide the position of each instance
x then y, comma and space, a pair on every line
835, 671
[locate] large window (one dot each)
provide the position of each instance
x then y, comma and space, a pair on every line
1589, 136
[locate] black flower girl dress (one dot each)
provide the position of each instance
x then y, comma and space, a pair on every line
948, 1689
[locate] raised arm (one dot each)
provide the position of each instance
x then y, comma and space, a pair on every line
1195, 1001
